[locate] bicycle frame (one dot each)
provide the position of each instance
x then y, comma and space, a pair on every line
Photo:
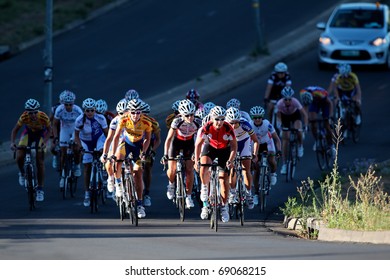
128, 203
67, 172
95, 181
292, 154
215, 200
264, 180
239, 206
180, 198
30, 175
323, 155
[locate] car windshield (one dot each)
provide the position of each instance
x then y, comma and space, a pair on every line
358, 19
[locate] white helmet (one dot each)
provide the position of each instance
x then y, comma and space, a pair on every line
233, 103
207, 107
89, 103
257, 111
206, 119
145, 108
131, 94
233, 114
134, 105
287, 92
67, 97
306, 97
218, 111
101, 106
32, 105
200, 113
121, 106
280, 67
186, 107
344, 69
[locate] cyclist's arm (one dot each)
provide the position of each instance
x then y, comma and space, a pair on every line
358, 95
77, 138
108, 141
157, 140
304, 115
255, 143
268, 91
330, 103
198, 147
277, 141
14, 133
168, 140
105, 131
233, 150
55, 128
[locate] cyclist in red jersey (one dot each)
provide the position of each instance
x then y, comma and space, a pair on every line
216, 140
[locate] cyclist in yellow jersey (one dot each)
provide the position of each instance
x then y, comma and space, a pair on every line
137, 134
348, 88
155, 142
37, 129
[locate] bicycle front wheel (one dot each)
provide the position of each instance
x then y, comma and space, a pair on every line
30, 186
181, 195
133, 211
241, 199
321, 155
264, 181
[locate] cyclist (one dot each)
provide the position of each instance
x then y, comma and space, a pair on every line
290, 114
193, 95
65, 117
102, 108
181, 137
155, 142
244, 135
37, 128
137, 131
268, 141
107, 149
279, 79
90, 133
216, 140
348, 88
55, 147
235, 103
173, 115
207, 107
315, 100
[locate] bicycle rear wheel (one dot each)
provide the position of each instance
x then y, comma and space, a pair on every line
321, 154
93, 199
241, 199
133, 211
122, 208
73, 185
263, 189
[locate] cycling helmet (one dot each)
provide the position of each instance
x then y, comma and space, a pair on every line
192, 95
257, 111
32, 105
186, 107
280, 67
207, 107
134, 105
344, 69
206, 119
67, 97
89, 103
233, 103
121, 106
287, 92
175, 106
101, 106
131, 94
145, 108
218, 111
200, 113
306, 97
61, 97
233, 114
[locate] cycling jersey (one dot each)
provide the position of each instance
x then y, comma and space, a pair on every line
320, 97
217, 138
40, 122
244, 130
288, 109
66, 118
278, 84
264, 131
90, 129
184, 130
169, 119
347, 83
134, 132
318, 93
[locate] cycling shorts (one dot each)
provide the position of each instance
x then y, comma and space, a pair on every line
213, 153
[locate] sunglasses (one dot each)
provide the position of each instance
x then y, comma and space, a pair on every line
233, 122
256, 118
33, 112
219, 119
135, 113
68, 104
90, 110
189, 115
287, 99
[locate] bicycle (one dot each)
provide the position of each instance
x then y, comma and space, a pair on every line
347, 112
292, 153
323, 153
96, 181
127, 203
180, 187
30, 178
70, 180
196, 189
238, 206
215, 201
264, 180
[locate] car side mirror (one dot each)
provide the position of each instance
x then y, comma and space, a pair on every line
321, 25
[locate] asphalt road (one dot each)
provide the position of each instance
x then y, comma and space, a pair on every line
60, 229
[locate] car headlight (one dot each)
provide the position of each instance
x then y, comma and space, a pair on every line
379, 41
325, 40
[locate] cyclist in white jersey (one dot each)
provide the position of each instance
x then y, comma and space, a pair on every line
181, 136
268, 141
65, 115
90, 133
107, 150
234, 102
244, 134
